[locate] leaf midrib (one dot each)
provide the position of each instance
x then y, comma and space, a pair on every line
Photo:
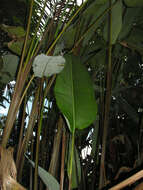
73, 98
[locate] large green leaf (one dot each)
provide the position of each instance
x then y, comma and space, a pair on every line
74, 94
46, 177
116, 23
134, 3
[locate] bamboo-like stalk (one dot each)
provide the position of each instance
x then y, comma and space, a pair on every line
21, 79
31, 123
39, 130
63, 160
107, 103
56, 149
31, 172
14, 106
21, 133
71, 160
40, 113
129, 181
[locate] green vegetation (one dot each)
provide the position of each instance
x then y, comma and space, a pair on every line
80, 128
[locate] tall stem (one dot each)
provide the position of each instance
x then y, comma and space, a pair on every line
71, 160
107, 103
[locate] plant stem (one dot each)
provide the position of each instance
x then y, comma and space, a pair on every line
71, 160
38, 135
107, 103
63, 159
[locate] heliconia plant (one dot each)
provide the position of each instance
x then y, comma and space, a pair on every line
69, 63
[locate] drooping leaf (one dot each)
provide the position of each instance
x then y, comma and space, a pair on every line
74, 94
8, 70
44, 65
116, 23
134, 3
46, 177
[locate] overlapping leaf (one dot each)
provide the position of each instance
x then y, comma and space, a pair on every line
74, 94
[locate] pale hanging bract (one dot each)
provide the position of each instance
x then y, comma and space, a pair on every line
44, 65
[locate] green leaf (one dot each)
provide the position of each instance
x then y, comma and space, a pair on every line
17, 46
75, 95
134, 3
46, 177
8, 70
116, 23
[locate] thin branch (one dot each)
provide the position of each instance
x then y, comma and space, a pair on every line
128, 181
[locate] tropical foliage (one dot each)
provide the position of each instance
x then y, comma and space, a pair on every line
71, 74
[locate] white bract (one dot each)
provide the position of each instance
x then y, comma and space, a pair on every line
44, 65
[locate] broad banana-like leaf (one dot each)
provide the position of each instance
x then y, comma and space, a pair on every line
75, 95
46, 177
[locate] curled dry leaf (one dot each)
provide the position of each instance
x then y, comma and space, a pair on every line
8, 172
